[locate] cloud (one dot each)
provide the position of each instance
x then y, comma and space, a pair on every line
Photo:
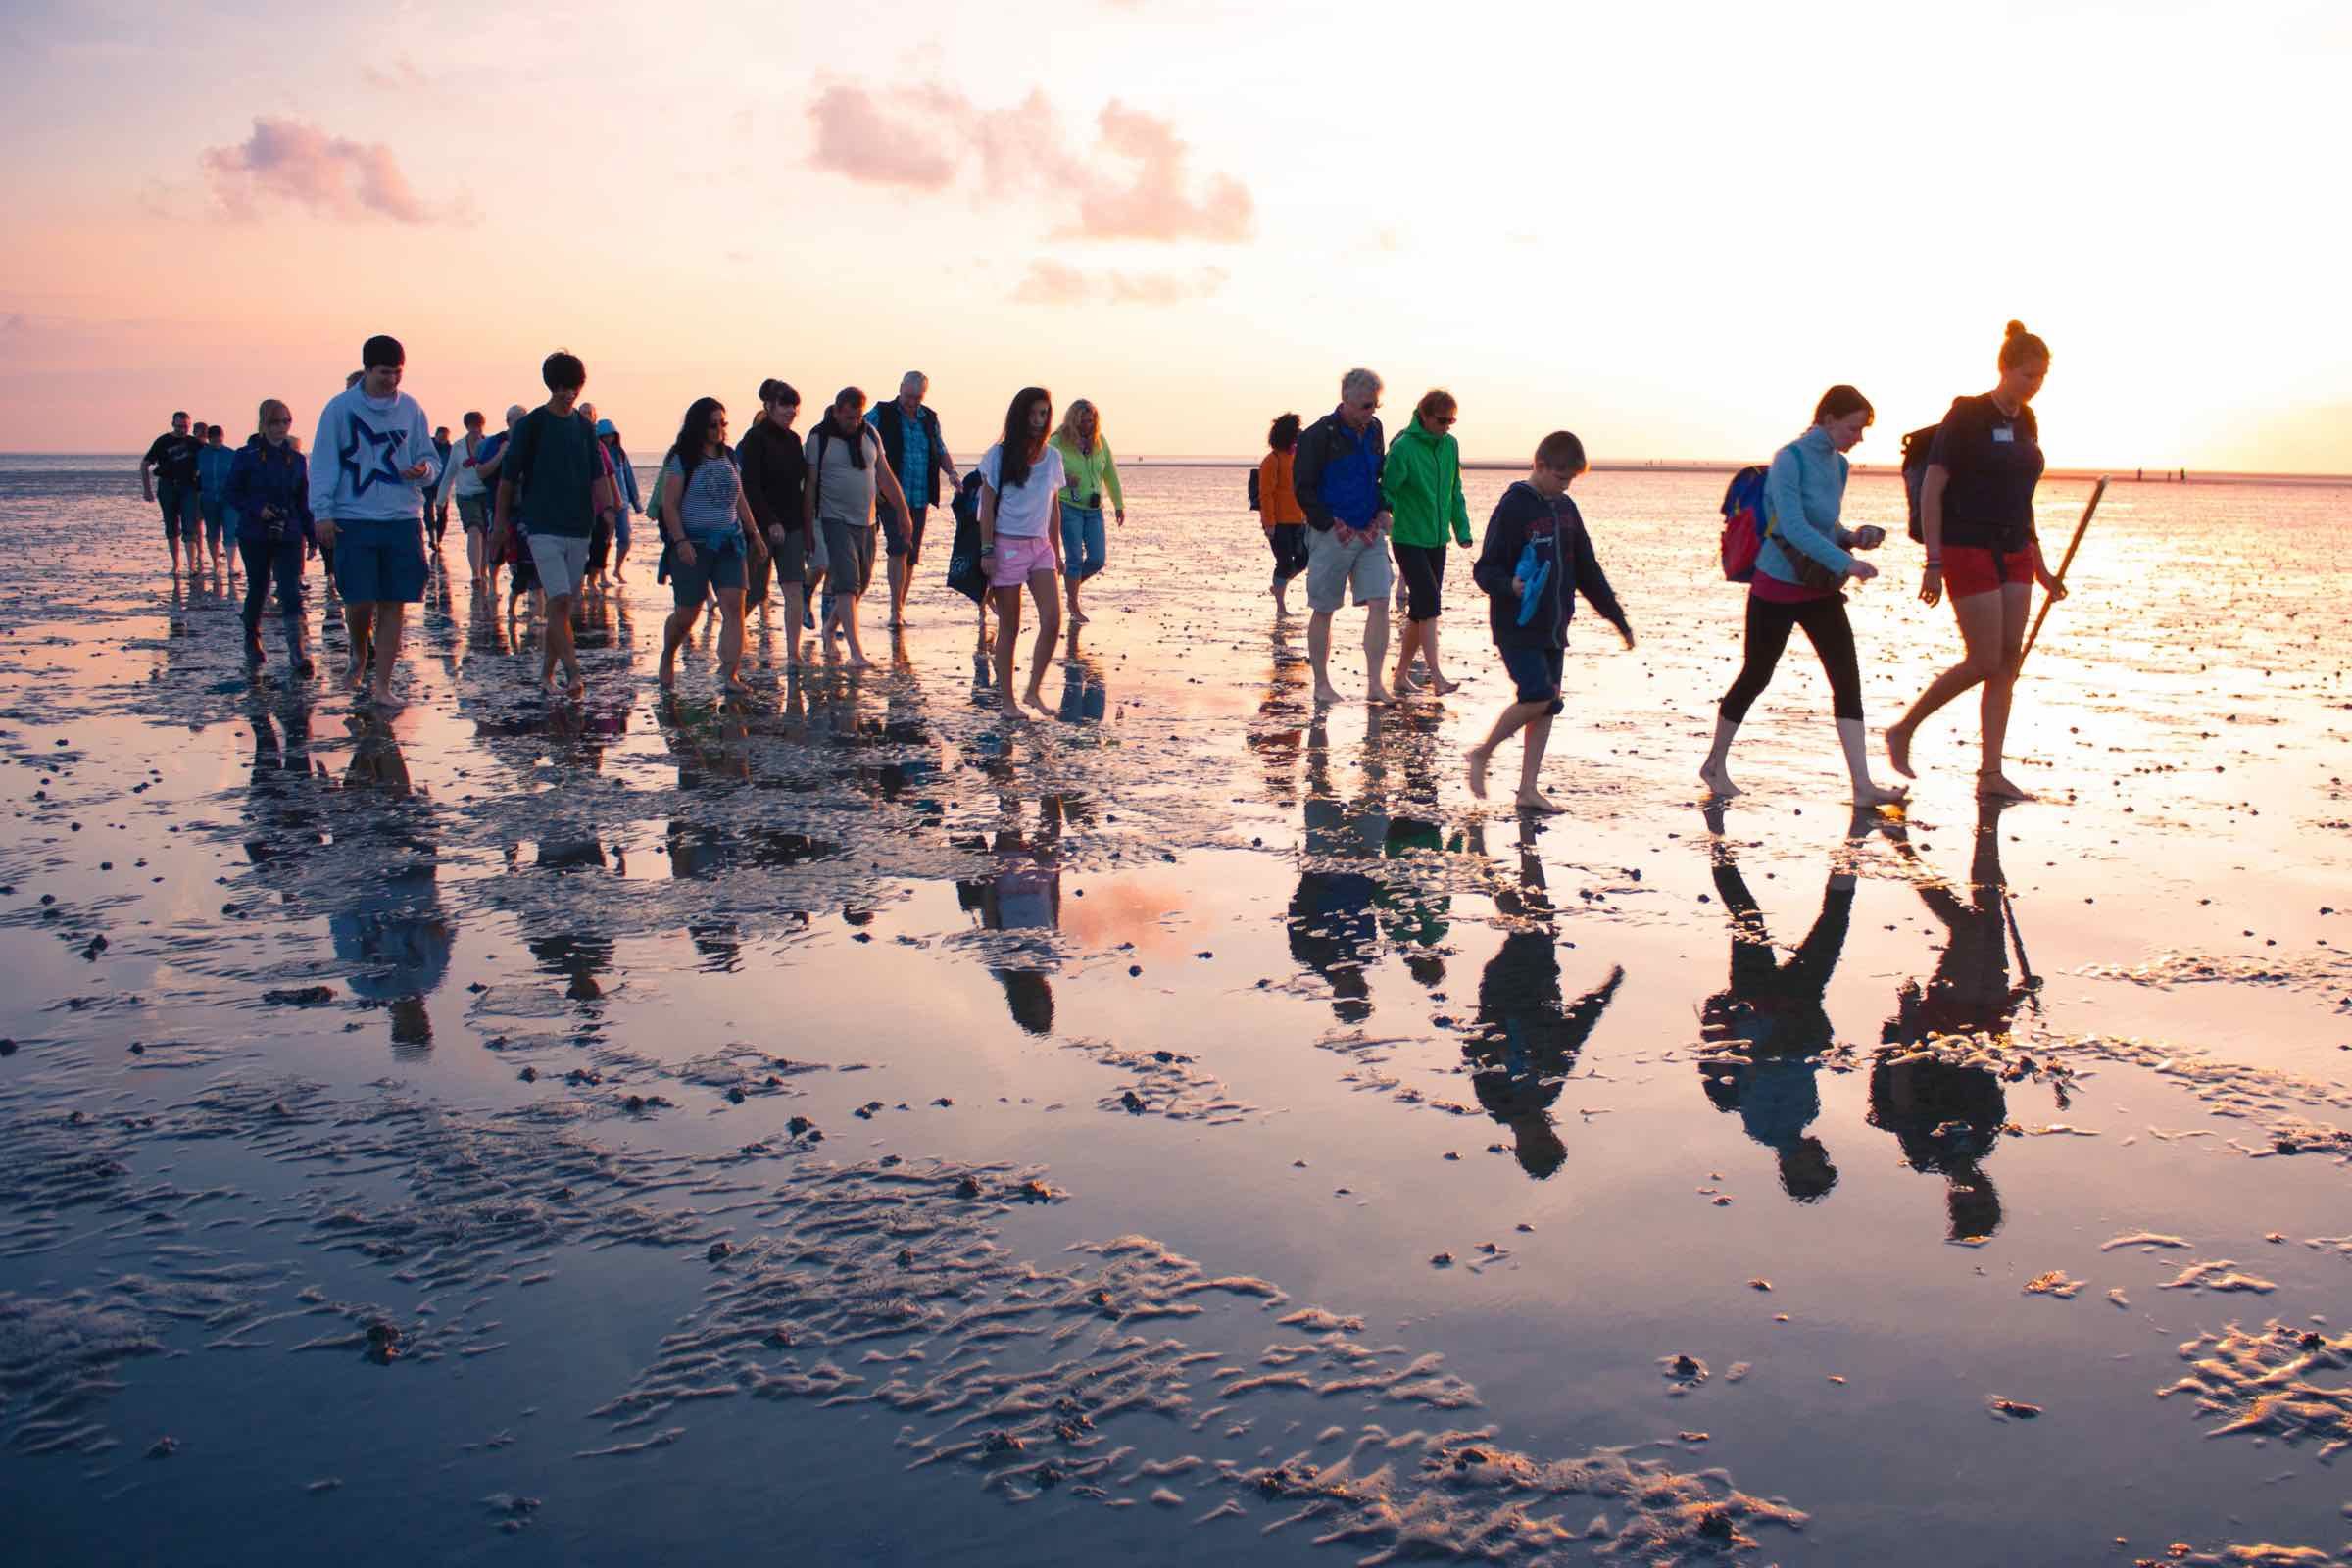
1052, 282
1136, 185
401, 75
294, 161
856, 137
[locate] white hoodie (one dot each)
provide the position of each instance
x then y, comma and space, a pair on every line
462, 477
360, 459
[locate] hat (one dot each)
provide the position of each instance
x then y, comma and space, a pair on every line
604, 428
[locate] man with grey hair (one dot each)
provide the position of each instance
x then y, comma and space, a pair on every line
1337, 476
919, 456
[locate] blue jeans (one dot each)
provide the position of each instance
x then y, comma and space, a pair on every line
267, 560
1084, 547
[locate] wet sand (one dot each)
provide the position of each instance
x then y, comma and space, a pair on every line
832, 1123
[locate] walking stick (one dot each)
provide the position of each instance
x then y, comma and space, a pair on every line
2073, 545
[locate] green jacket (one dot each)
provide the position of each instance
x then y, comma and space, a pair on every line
1422, 488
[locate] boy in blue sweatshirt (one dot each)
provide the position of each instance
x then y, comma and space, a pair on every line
1536, 560
371, 467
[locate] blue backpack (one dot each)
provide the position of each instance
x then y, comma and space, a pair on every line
1743, 523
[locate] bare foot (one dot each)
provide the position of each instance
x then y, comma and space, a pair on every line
355, 675
861, 661
1881, 795
668, 677
578, 691
1478, 756
1538, 802
1898, 750
1326, 693
1444, 687
1378, 697
736, 683
1078, 617
1034, 697
388, 700
1996, 785
1718, 779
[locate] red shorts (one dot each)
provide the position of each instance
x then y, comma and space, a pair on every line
1969, 570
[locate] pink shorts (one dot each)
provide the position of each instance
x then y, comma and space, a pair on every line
1016, 557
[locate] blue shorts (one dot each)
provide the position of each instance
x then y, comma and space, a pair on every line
380, 562
1535, 671
711, 569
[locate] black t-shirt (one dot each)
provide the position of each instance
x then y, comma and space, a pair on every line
553, 461
1994, 463
175, 458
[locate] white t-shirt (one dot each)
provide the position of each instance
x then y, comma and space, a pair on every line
1023, 511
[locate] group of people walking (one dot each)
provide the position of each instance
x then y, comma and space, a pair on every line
553, 494
1354, 514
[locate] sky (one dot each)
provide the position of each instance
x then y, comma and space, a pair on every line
1667, 227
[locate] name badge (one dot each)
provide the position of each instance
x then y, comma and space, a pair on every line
2002, 432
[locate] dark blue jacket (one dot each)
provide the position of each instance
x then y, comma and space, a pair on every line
1519, 521
1336, 473
263, 476
891, 420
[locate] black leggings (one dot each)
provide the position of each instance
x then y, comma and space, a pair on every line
1768, 626
1423, 567
1288, 540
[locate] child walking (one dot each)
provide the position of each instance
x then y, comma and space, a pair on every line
1536, 560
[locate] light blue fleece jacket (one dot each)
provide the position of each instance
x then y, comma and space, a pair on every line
1803, 492
360, 461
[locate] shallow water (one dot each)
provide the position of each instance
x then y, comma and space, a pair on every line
829, 1124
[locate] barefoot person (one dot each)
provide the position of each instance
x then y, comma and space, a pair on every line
847, 469
919, 456
1537, 558
1020, 538
462, 483
1086, 470
269, 486
1278, 507
709, 533
212, 460
167, 473
555, 464
1803, 565
376, 466
776, 479
1336, 477
1977, 516
1422, 488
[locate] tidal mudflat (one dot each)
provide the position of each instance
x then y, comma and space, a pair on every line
837, 1127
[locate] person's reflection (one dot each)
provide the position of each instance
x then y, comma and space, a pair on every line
1948, 1117
391, 934
1332, 927
1022, 894
281, 811
1528, 1034
1277, 733
1766, 1030
1085, 695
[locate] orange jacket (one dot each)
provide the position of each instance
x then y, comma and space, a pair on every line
1277, 500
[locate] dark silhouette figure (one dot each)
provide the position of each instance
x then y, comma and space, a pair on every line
1528, 1034
1767, 1028
1945, 1116
1023, 895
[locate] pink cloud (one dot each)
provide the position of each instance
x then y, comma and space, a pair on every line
1154, 202
294, 161
1139, 187
877, 142
1050, 282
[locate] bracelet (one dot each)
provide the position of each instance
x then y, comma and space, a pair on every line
1934, 563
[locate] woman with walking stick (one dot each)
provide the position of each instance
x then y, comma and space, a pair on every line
1977, 517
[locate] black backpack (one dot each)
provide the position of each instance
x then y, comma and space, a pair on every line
1917, 444
1253, 496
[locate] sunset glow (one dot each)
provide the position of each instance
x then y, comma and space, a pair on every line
1667, 227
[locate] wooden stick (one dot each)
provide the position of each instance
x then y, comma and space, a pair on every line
2073, 545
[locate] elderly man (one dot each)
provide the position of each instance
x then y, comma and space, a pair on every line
919, 456
1337, 476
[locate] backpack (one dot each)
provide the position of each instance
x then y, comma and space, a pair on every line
1743, 523
1917, 444
1255, 500
816, 464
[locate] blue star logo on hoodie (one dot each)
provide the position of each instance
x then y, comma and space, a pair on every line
378, 449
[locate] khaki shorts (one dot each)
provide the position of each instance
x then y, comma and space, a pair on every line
1334, 568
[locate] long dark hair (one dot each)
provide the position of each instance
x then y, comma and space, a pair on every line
1019, 451
1283, 434
694, 434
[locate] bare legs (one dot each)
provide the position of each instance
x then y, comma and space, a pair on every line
1993, 631
1009, 631
374, 629
843, 619
674, 632
1376, 651
1421, 637
559, 647
1536, 719
899, 575
730, 638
